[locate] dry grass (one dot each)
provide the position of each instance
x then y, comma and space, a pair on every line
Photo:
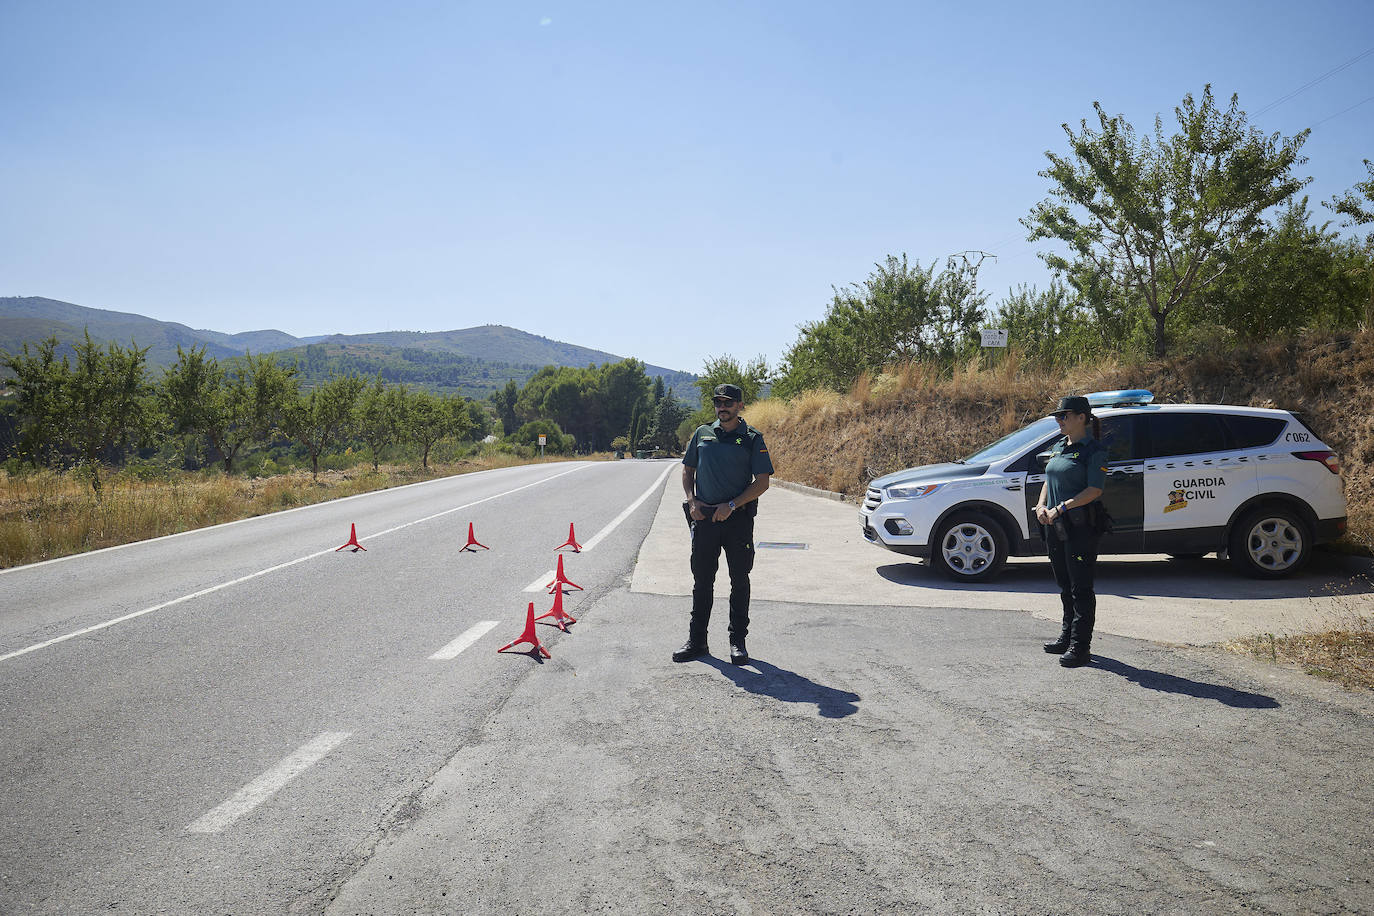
46, 515
1342, 652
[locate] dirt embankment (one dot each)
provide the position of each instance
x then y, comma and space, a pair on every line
912, 416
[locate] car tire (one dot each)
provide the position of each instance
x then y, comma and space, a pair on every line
969, 547
1269, 542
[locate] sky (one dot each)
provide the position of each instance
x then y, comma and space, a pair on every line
672, 182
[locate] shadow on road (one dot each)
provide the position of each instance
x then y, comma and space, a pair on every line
1172, 683
788, 686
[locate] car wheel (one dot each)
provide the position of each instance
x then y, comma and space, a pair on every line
970, 547
1269, 542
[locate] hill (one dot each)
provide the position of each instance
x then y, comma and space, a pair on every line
471, 361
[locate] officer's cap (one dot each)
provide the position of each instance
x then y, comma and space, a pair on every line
1073, 404
732, 392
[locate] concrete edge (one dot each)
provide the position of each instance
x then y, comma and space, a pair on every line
810, 491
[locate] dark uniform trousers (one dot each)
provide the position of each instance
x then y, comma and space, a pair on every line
736, 536
1074, 564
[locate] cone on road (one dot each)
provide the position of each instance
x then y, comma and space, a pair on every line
529, 636
559, 615
571, 541
352, 539
473, 543
560, 580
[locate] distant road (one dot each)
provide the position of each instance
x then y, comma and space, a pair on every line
224, 721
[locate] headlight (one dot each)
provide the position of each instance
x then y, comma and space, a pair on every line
913, 491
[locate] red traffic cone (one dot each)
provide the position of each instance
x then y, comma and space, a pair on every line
558, 614
559, 580
473, 542
529, 636
352, 540
571, 541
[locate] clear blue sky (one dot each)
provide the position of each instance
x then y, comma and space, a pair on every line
665, 181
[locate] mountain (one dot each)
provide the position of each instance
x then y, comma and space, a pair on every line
473, 361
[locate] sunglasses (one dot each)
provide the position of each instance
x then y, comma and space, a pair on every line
723, 402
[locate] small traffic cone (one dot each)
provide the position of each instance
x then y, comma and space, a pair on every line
352, 540
571, 541
559, 580
558, 614
529, 636
473, 542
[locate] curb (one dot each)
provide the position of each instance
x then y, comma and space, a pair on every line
809, 491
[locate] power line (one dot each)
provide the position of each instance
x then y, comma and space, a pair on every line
1344, 110
1303, 88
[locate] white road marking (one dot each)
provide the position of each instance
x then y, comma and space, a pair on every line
262, 572
469, 636
542, 583
262, 788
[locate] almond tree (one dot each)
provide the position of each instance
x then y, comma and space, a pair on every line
1152, 219
319, 418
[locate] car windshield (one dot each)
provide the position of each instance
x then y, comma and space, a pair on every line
1014, 443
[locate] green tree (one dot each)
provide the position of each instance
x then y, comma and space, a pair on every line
192, 393
1358, 205
504, 401
557, 442
321, 417
899, 314
1158, 217
381, 416
721, 370
1051, 327
110, 404
662, 432
41, 400
431, 418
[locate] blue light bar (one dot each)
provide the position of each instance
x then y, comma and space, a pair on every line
1126, 397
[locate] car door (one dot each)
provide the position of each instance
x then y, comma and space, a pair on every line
1194, 480
1124, 494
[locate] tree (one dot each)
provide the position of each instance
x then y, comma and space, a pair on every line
1358, 205
322, 416
381, 416
1157, 218
109, 403
720, 370
556, 441
899, 314
504, 401
40, 388
1051, 327
667, 416
192, 395
431, 418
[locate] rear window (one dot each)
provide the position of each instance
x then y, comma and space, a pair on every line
1303, 422
1184, 434
1253, 432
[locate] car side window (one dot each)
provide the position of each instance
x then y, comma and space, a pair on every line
1253, 432
1171, 434
1118, 435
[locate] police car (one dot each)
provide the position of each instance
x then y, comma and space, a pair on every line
1254, 484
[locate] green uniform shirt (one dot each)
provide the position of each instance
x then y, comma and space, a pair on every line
726, 462
1074, 468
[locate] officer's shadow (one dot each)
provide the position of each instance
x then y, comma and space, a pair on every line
788, 686
1172, 683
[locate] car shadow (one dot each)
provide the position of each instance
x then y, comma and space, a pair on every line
1172, 683
1326, 575
788, 686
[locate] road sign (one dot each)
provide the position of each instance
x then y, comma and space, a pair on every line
543, 440
994, 337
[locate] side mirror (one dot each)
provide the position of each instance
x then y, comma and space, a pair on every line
1043, 459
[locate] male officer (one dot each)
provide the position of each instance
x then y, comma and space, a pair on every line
725, 470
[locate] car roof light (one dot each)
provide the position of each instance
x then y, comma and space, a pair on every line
1124, 397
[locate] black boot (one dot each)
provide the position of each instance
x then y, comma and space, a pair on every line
739, 655
693, 648
1060, 645
1077, 656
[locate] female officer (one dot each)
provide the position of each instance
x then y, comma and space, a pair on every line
1074, 478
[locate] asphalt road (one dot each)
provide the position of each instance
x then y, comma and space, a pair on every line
874, 758
116, 744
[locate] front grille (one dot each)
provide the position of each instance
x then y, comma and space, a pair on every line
873, 498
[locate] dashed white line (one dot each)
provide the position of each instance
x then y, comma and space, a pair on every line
262, 788
262, 572
542, 583
469, 636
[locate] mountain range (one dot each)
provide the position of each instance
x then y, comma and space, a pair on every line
470, 361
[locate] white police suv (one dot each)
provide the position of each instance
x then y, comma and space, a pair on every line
1253, 484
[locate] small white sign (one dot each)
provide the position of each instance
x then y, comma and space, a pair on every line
994, 337
543, 440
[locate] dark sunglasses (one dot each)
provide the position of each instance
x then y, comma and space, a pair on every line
723, 402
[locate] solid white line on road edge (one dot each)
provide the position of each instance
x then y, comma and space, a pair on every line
543, 581
244, 521
262, 572
262, 788
470, 636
